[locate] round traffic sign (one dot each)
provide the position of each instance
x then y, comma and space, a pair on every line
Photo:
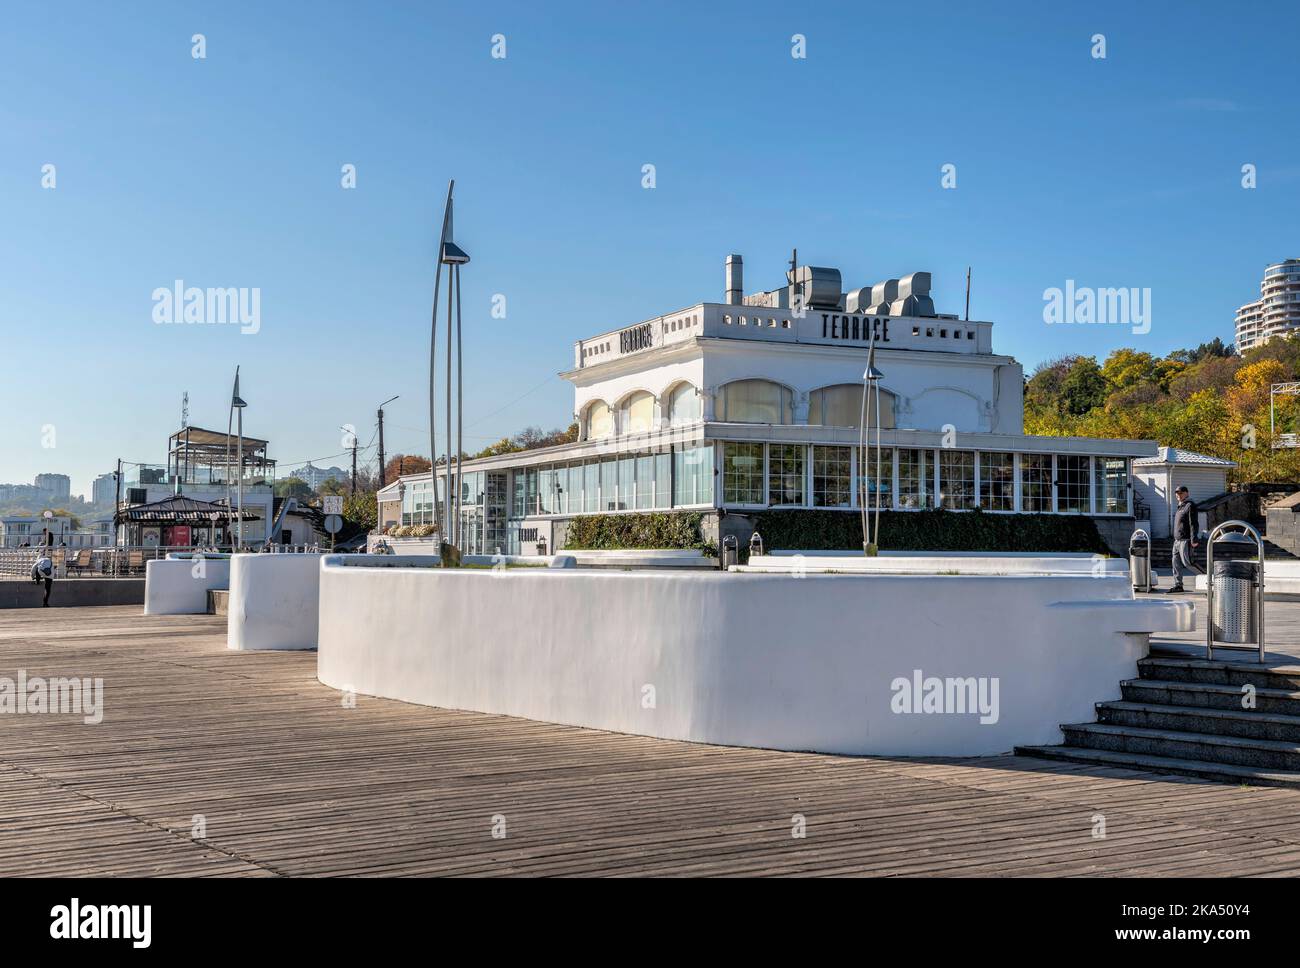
333, 523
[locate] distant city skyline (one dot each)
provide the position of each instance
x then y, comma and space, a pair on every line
299, 167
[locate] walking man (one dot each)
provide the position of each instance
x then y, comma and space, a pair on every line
1185, 531
43, 571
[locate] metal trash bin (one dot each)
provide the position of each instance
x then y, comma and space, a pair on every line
1139, 560
730, 553
1234, 580
1235, 617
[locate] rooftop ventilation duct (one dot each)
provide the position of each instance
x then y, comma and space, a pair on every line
735, 280
819, 286
913, 297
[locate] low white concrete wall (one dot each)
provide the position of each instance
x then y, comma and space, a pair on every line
950, 563
179, 586
816, 662
274, 601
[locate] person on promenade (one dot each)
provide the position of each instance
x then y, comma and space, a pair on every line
1185, 535
43, 571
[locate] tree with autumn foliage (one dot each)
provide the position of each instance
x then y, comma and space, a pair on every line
1207, 399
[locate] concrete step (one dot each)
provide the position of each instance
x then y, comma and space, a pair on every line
1219, 672
1208, 695
1202, 769
1256, 753
1243, 723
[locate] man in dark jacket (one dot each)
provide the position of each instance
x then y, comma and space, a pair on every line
1185, 532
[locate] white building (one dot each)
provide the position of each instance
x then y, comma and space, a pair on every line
1156, 478
754, 403
1276, 312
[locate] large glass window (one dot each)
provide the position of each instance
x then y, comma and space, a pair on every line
785, 473
548, 491
742, 473
645, 481
841, 406
684, 405
832, 477
599, 421
1036, 483
1111, 475
663, 475
591, 487
638, 413
1072, 483
755, 401
573, 490
609, 484
518, 494
997, 481
867, 485
956, 479
693, 476
626, 483
915, 479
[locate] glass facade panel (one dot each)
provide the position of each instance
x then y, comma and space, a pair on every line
867, 486
548, 491
956, 479
591, 487
755, 401
1036, 483
785, 474
742, 473
1111, 483
693, 476
684, 405
609, 484
600, 423
841, 406
832, 477
638, 413
645, 481
997, 481
915, 479
1072, 484
663, 480
626, 483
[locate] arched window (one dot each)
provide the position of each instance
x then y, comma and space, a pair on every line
841, 406
598, 421
637, 414
755, 401
684, 405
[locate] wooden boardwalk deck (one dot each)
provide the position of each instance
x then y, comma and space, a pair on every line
290, 782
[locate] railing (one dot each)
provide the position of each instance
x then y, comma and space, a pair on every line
120, 561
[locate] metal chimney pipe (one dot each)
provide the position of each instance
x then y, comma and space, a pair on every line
735, 280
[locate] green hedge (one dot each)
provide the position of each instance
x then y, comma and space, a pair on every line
603, 532
935, 530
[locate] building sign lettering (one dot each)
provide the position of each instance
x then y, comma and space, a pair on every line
859, 328
636, 338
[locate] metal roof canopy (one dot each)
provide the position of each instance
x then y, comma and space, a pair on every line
194, 447
180, 510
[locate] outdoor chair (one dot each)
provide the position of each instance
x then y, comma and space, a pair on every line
82, 562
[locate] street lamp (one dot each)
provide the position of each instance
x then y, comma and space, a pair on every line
871, 378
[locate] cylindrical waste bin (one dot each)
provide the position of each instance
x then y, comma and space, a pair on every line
1139, 567
1234, 616
730, 553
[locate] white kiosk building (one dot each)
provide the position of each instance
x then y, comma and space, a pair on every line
754, 403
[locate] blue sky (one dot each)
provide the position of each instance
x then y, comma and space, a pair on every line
225, 171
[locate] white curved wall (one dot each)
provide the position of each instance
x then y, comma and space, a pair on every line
766, 660
179, 586
274, 601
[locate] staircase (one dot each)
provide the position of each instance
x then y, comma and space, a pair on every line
1185, 716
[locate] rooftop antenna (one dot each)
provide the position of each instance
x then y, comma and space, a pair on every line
968, 294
